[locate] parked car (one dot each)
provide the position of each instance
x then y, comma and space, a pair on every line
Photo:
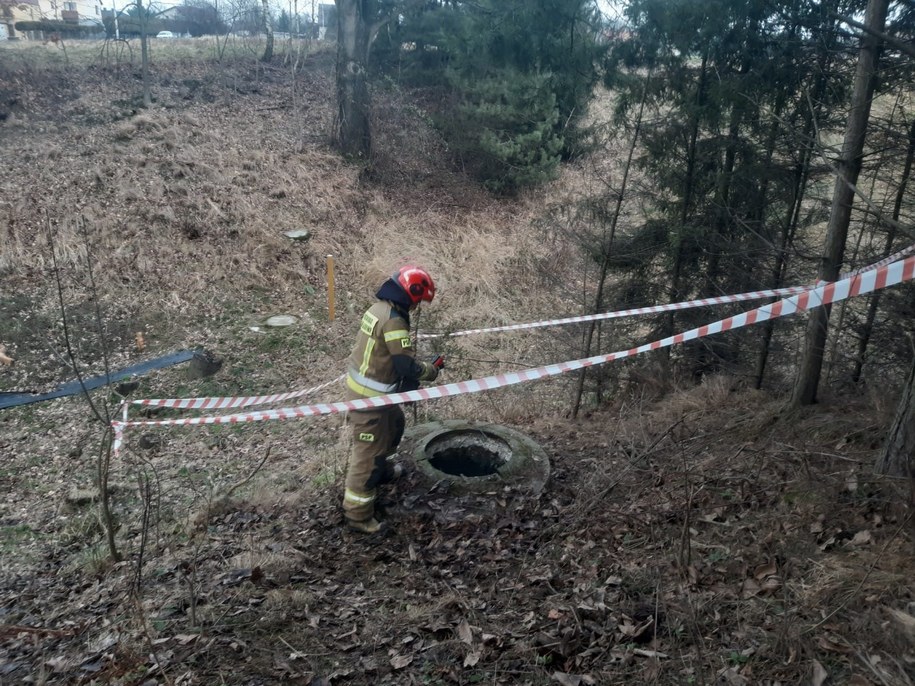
165, 34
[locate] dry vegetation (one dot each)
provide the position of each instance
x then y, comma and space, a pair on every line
686, 536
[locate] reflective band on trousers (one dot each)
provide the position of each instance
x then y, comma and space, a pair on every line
363, 380
354, 497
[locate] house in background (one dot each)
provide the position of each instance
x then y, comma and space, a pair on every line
76, 12
12, 11
82, 12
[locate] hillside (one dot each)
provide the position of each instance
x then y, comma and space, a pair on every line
688, 534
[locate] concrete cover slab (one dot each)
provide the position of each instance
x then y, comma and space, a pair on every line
476, 456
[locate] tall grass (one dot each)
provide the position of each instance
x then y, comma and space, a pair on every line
81, 53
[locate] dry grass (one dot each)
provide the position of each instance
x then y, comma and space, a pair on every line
671, 496
77, 54
185, 187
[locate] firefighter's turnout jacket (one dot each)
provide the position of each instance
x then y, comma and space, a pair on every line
383, 333
382, 362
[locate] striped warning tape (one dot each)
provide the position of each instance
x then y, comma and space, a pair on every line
859, 284
651, 309
895, 257
671, 307
216, 403
237, 402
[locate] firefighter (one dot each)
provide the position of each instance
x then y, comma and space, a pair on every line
383, 361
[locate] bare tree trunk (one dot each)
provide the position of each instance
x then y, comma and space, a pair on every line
786, 239
676, 291
849, 165
104, 494
706, 355
898, 458
890, 237
268, 30
352, 126
143, 14
799, 188
607, 248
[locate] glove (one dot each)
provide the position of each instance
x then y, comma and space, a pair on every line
430, 372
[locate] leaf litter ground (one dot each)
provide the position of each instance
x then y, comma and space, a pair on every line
702, 536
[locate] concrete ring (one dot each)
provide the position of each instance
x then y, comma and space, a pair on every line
476, 456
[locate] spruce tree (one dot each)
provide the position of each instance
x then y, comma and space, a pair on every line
514, 79
730, 83
504, 128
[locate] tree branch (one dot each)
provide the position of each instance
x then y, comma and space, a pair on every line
907, 48
381, 23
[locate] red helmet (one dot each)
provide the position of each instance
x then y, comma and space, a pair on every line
417, 283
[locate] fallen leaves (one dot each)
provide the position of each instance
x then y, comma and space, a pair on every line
764, 581
835, 644
401, 661
848, 538
564, 679
465, 633
820, 675
861, 538
637, 632
765, 570
904, 622
732, 677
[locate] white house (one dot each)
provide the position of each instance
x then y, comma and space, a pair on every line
78, 12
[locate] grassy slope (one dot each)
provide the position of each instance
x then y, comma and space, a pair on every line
681, 540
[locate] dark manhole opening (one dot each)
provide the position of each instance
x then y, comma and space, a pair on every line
467, 453
471, 461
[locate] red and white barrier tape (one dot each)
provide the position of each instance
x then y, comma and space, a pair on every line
237, 402
671, 307
232, 402
651, 309
896, 256
859, 284
219, 403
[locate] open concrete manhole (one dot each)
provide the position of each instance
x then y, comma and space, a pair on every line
476, 456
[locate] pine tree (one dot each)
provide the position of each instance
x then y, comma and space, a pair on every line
283, 24
514, 79
808, 378
503, 128
730, 82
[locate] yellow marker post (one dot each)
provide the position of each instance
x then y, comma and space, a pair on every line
330, 287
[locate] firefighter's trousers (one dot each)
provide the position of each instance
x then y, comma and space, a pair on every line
376, 435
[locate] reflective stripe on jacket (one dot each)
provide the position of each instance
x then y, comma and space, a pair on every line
383, 332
